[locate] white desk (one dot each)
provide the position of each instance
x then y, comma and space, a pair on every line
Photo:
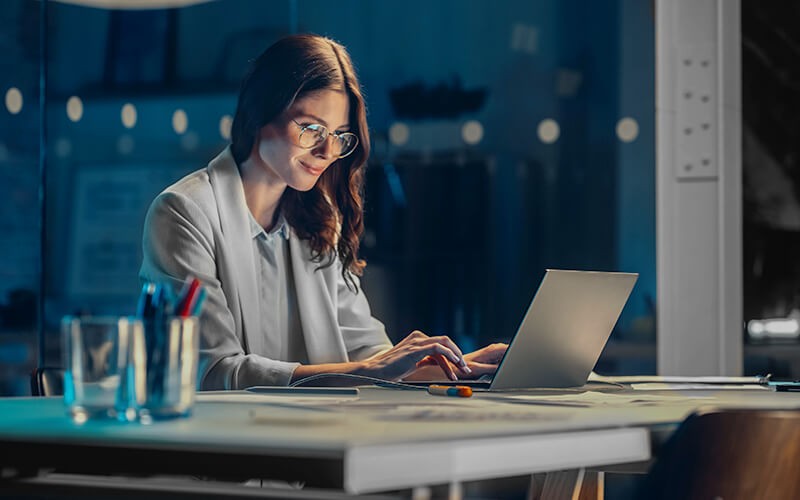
386, 439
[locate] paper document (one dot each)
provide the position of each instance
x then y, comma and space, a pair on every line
478, 414
594, 399
669, 379
285, 399
654, 386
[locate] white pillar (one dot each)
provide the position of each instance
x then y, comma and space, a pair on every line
698, 187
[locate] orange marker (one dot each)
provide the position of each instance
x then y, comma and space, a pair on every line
458, 391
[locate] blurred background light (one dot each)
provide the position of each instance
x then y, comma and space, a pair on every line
14, 100
548, 131
63, 147
190, 141
125, 144
180, 122
75, 108
777, 328
129, 115
225, 124
399, 133
627, 129
472, 132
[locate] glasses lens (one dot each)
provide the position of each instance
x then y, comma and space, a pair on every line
347, 143
311, 135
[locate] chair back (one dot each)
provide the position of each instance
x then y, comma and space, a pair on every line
47, 381
729, 454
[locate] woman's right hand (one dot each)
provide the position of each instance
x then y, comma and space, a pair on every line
401, 360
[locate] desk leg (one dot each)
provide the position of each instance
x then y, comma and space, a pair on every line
421, 493
576, 484
456, 491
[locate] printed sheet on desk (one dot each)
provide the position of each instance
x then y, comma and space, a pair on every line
658, 386
519, 407
289, 409
445, 411
452, 411
596, 399
290, 400
677, 383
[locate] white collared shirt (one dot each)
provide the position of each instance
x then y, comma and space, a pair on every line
280, 318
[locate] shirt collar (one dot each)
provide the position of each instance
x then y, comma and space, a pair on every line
281, 228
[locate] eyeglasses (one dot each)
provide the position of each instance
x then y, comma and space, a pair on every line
314, 134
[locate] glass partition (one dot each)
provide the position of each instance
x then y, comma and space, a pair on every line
506, 140
546, 160
20, 195
771, 184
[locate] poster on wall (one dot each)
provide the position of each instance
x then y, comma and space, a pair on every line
108, 211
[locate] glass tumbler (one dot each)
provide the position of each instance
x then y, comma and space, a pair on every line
97, 359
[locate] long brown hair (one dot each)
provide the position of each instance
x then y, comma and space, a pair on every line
330, 216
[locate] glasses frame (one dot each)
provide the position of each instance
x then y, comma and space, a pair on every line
316, 127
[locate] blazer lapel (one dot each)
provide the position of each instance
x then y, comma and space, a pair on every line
318, 314
232, 207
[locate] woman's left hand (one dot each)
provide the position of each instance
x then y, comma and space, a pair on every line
482, 361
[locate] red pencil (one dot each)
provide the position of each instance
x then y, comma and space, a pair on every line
189, 298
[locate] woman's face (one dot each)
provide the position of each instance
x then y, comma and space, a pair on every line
297, 167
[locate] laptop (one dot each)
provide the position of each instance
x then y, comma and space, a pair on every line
563, 332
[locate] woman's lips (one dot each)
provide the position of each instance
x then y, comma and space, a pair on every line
312, 170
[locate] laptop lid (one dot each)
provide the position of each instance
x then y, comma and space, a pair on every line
564, 330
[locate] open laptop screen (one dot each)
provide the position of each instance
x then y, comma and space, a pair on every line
563, 331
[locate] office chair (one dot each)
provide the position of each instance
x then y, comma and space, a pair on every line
729, 454
47, 381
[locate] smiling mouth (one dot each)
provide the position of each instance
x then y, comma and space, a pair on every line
312, 170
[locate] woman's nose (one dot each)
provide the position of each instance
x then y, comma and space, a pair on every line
326, 149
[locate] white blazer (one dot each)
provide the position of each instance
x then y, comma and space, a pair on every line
199, 226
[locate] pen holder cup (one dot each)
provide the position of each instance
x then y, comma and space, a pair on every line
168, 387
97, 360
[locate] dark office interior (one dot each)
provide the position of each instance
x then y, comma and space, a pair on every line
496, 153
507, 137
458, 231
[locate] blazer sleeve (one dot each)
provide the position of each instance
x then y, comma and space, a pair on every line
178, 242
364, 336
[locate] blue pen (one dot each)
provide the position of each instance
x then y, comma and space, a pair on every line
151, 332
164, 310
145, 304
146, 310
198, 304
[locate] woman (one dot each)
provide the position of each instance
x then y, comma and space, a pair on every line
271, 227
